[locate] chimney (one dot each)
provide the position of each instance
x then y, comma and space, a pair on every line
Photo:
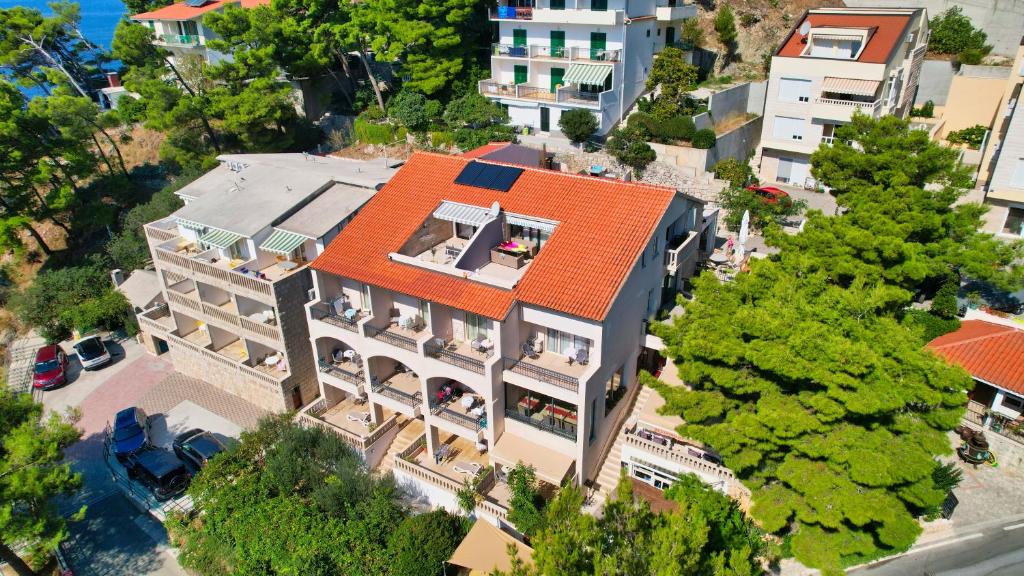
113, 79
117, 277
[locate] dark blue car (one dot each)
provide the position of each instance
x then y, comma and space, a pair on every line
131, 432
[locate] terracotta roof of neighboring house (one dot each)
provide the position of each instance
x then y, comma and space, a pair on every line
885, 33
603, 225
179, 11
990, 352
485, 149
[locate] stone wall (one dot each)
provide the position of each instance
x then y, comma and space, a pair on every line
291, 299
738, 143
224, 377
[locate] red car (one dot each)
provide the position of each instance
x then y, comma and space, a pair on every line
51, 367
770, 194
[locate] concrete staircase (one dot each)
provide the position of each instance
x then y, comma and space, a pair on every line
412, 428
608, 478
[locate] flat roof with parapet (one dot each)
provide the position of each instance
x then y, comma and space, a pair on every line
247, 193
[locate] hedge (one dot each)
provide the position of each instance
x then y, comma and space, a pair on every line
369, 133
704, 139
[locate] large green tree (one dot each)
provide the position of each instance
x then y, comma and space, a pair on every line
803, 377
32, 473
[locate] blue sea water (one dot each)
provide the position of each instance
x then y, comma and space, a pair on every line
99, 17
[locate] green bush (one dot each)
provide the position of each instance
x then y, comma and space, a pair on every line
971, 56
951, 32
704, 139
578, 124
725, 26
442, 139
413, 110
422, 543
368, 132
927, 110
628, 146
738, 174
972, 137
662, 130
470, 138
944, 304
931, 325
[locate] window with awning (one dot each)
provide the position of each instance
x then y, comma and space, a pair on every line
850, 86
220, 238
592, 74
462, 213
527, 222
282, 242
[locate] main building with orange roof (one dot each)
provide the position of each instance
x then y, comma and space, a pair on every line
835, 61
488, 314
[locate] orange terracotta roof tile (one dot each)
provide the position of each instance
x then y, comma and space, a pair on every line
886, 33
990, 352
603, 227
179, 11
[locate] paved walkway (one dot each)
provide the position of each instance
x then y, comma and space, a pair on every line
177, 388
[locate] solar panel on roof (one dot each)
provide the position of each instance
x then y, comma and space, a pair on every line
196, 3
490, 176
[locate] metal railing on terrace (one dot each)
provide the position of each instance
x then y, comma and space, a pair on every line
385, 335
338, 372
324, 313
180, 39
440, 352
395, 394
441, 410
546, 424
543, 374
570, 53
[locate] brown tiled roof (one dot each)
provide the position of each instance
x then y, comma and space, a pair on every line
886, 32
603, 227
990, 352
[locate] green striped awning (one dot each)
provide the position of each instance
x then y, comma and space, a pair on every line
282, 242
586, 74
190, 225
219, 238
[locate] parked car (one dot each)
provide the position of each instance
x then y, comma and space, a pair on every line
91, 352
131, 432
196, 447
160, 471
771, 195
50, 369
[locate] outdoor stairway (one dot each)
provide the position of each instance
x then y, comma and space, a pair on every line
608, 478
411, 430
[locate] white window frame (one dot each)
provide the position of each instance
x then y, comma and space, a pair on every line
797, 95
795, 136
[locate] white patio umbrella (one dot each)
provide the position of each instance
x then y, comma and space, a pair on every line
741, 248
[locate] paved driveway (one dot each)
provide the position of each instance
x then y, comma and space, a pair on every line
116, 537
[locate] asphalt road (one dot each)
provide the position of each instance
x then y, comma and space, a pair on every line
993, 551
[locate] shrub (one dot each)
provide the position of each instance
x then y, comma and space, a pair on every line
970, 56
704, 138
725, 26
944, 304
972, 137
413, 110
443, 139
748, 19
368, 132
692, 34
672, 73
526, 505
578, 124
469, 138
927, 110
422, 543
951, 33
473, 111
738, 174
627, 145
930, 325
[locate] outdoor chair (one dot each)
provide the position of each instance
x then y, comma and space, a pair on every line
470, 468
338, 355
528, 350
582, 357
363, 418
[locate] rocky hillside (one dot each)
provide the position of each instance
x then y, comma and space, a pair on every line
761, 26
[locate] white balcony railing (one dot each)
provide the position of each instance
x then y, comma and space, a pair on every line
570, 53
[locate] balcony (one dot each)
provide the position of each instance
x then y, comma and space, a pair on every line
324, 312
554, 422
511, 13
349, 419
690, 457
178, 40
564, 53
183, 258
680, 249
455, 461
402, 387
678, 12
566, 95
157, 320
346, 371
466, 411
550, 368
842, 110
403, 338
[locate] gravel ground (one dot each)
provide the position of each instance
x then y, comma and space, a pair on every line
657, 173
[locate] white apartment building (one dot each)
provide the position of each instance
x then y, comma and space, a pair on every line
556, 55
232, 270
471, 318
179, 27
835, 61
1002, 168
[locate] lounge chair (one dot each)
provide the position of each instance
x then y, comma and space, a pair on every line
363, 418
582, 356
470, 468
338, 355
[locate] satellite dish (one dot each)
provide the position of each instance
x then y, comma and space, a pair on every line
495, 208
805, 28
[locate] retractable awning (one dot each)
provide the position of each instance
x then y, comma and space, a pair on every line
282, 242
550, 465
220, 238
593, 74
189, 225
526, 222
462, 213
850, 86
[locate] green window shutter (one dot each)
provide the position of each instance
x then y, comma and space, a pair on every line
520, 74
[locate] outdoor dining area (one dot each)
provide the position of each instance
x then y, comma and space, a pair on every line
540, 411
455, 458
452, 402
